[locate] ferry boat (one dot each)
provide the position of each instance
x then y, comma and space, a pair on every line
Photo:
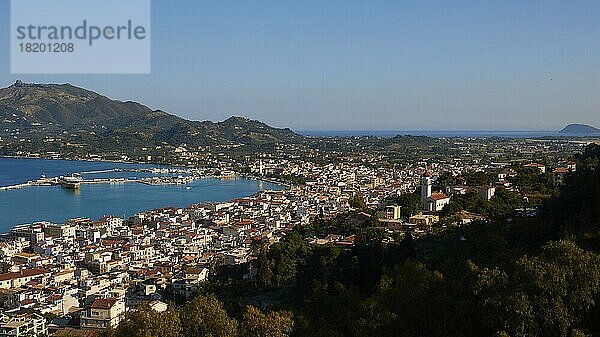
227, 175
71, 182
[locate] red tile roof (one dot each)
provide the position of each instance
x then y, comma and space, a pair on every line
22, 273
102, 303
438, 196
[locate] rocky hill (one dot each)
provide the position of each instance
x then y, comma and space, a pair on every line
580, 130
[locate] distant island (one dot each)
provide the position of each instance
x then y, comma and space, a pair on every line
580, 129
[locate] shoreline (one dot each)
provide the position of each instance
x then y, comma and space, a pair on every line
279, 184
249, 176
89, 160
84, 161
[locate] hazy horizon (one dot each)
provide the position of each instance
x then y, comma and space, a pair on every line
329, 129
354, 65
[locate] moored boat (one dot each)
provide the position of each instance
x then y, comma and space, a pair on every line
71, 182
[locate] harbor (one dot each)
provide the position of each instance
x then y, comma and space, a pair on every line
159, 176
74, 183
69, 183
104, 190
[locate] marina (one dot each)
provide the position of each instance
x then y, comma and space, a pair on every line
121, 190
75, 183
161, 176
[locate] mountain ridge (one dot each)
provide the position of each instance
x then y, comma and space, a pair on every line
46, 110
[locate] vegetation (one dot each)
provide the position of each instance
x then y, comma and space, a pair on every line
409, 203
509, 276
357, 202
73, 121
203, 316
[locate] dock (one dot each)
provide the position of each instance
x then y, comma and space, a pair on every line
73, 181
15, 187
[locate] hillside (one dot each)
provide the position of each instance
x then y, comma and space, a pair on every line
48, 110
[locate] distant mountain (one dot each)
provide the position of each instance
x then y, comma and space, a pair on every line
580, 129
43, 110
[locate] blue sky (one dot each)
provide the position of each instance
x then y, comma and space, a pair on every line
382, 65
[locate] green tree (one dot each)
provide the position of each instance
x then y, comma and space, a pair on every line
319, 267
369, 250
419, 298
264, 275
503, 203
144, 321
452, 208
409, 203
477, 178
544, 295
273, 324
471, 201
286, 256
205, 316
446, 179
357, 202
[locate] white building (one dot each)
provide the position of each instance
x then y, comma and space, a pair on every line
486, 192
103, 313
432, 202
425, 189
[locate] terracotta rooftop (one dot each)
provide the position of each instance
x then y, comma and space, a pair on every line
102, 303
22, 273
438, 196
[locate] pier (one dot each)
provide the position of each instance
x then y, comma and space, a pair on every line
161, 176
15, 187
168, 180
110, 181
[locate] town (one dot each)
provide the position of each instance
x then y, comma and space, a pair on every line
84, 274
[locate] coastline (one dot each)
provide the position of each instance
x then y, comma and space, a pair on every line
245, 175
88, 160
200, 195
